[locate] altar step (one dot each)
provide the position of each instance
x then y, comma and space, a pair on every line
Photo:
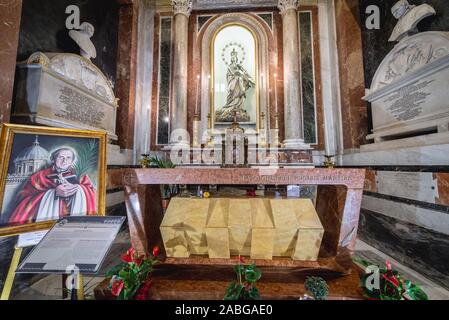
341, 288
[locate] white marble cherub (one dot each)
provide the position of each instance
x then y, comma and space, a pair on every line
409, 16
82, 39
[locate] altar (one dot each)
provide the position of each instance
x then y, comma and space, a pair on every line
338, 200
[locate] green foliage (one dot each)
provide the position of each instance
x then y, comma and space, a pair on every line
245, 286
317, 287
160, 163
167, 191
87, 158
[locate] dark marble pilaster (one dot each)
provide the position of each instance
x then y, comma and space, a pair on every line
10, 16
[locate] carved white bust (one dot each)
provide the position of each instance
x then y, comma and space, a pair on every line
409, 16
82, 39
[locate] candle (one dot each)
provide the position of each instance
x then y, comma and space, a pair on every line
197, 93
196, 131
276, 93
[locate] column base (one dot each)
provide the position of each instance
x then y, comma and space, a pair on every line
296, 144
177, 145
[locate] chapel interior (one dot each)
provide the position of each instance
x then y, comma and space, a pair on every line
332, 114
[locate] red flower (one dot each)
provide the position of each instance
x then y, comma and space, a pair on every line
128, 257
242, 260
117, 287
155, 251
138, 260
392, 280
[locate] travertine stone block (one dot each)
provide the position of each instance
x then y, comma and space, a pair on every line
239, 226
197, 211
286, 227
217, 232
259, 228
172, 230
263, 231
310, 232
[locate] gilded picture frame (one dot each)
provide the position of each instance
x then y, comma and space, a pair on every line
75, 159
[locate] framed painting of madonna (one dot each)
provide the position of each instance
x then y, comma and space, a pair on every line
47, 174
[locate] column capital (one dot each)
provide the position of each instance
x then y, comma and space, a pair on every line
182, 7
286, 5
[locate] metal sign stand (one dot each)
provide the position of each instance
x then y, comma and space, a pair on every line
6, 292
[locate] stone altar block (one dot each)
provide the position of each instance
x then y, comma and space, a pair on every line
263, 231
339, 196
254, 227
217, 233
64, 90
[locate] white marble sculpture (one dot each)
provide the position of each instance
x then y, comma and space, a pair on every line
408, 94
409, 16
82, 39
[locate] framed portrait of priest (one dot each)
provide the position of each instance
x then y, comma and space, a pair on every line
47, 174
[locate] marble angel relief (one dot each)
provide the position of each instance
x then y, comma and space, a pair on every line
239, 82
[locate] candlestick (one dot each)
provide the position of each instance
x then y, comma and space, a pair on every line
196, 131
276, 93
197, 92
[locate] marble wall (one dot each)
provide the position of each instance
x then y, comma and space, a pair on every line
354, 115
126, 72
10, 13
39, 32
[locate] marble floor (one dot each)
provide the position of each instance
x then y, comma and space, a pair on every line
50, 288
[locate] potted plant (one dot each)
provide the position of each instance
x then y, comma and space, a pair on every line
245, 286
145, 162
131, 279
167, 191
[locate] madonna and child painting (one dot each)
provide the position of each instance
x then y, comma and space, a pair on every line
48, 174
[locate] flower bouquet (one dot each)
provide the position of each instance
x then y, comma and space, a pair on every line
131, 280
387, 284
244, 288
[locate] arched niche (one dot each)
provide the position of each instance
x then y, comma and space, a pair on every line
206, 45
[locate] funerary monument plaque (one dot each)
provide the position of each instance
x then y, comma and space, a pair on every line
409, 90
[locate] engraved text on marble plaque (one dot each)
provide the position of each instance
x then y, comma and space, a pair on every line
80, 108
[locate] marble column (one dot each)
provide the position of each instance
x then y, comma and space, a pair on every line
294, 133
10, 16
182, 10
144, 77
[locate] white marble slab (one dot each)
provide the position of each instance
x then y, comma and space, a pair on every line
436, 155
419, 186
